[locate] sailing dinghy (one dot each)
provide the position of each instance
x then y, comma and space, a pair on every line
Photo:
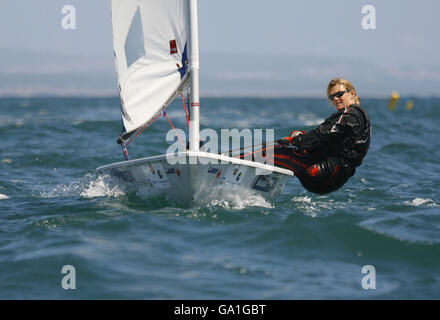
157, 58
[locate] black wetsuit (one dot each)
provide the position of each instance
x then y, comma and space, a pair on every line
325, 158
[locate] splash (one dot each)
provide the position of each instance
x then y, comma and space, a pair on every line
101, 186
89, 186
307, 205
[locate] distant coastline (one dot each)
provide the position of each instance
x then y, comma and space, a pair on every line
25, 73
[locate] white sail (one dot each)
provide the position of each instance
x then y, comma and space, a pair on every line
150, 43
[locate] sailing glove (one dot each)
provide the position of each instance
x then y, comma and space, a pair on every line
287, 141
296, 133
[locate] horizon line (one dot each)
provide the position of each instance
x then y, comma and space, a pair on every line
209, 95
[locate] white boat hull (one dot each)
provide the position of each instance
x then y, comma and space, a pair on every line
199, 177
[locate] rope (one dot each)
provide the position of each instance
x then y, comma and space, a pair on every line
175, 131
254, 152
184, 107
124, 145
125, 152
142, 130
250, 147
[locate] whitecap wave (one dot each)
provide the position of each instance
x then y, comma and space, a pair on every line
6, 121
310, 119
417, 202
3, 196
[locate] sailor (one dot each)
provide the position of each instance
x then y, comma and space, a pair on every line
324, 158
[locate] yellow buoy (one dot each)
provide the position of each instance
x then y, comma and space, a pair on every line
393, 100
409, 105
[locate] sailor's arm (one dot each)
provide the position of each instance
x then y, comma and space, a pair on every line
329, 131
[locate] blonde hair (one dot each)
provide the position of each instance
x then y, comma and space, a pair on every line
347, 85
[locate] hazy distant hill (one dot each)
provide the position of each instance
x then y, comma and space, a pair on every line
309, 76
38, 73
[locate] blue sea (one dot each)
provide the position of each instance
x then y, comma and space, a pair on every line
378, 237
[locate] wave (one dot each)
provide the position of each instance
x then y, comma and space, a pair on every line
8, 121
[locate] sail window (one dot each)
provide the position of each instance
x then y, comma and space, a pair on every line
134, 44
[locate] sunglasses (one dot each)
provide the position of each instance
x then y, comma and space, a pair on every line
337, 95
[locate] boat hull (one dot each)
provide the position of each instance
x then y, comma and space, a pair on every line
199, 177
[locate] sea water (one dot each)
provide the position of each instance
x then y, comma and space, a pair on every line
377, 237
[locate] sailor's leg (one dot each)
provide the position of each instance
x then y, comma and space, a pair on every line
326, 176
293, 160
316, 175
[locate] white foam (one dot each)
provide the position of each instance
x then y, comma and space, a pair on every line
3, 196
235, 202
302, 199
312, 207
421, 202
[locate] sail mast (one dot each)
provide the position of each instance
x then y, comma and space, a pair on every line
194, 67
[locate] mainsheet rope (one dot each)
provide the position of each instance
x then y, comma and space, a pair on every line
258, 151
175, 131
124, 145
184, 107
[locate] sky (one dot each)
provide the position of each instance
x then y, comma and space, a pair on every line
247, 47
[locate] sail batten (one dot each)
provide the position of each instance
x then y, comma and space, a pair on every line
150, 41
